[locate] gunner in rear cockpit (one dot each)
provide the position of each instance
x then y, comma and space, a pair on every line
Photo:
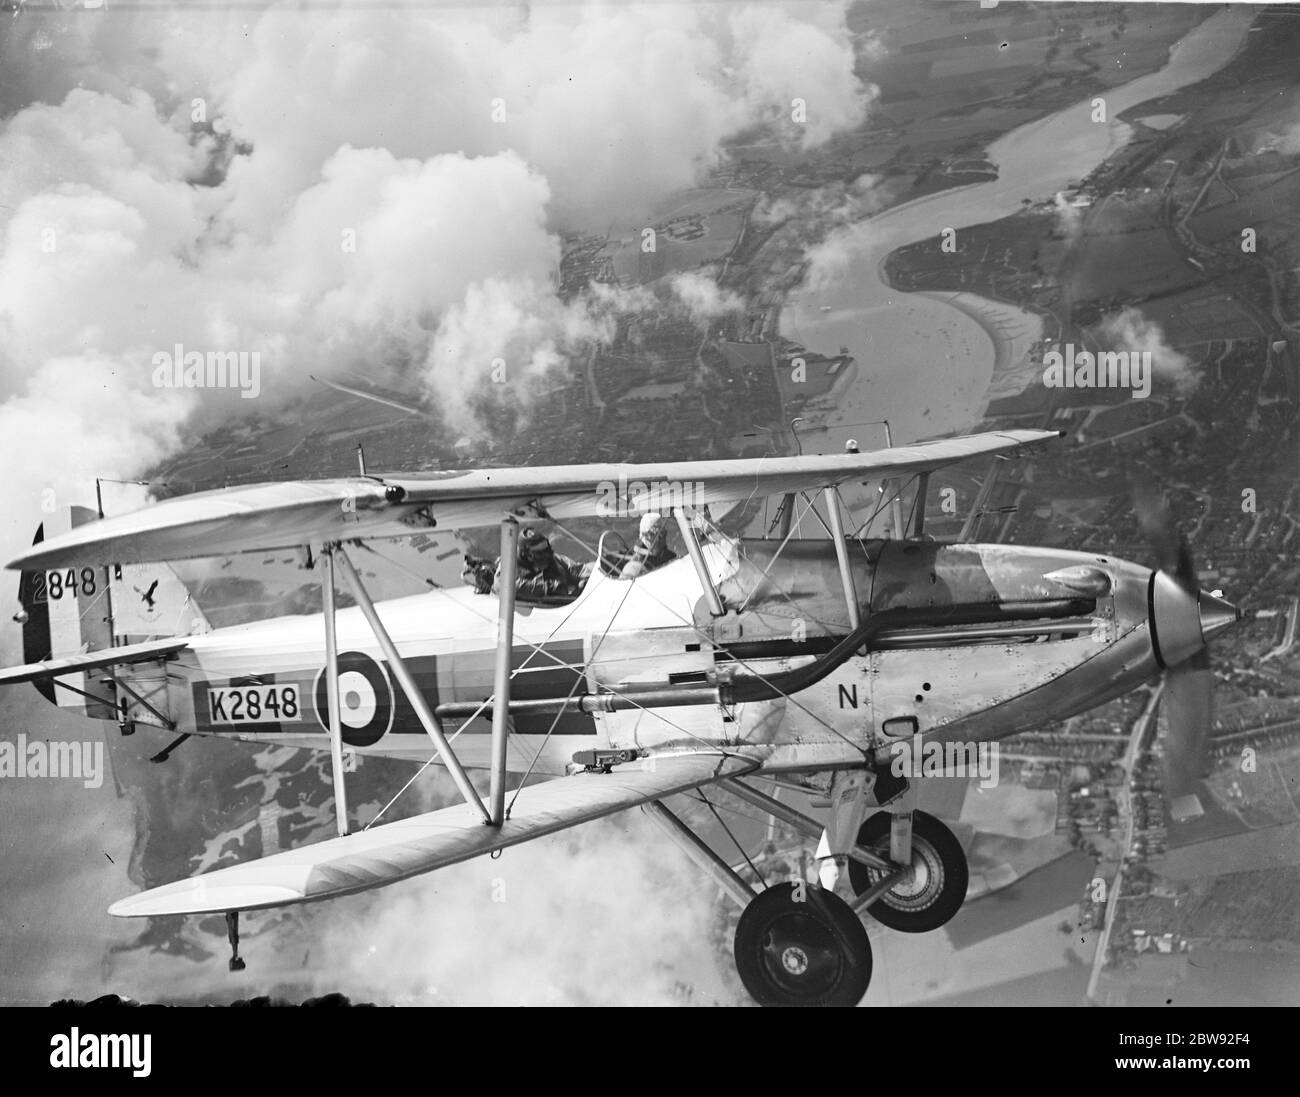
651, 549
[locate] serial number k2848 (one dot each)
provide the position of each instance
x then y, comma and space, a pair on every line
254, 704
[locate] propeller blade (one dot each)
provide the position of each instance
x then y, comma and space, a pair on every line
1187, 701
1187, 705
1173, 556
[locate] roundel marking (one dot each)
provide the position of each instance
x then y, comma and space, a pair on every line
365, 700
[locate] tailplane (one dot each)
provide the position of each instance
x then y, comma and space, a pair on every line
75, 611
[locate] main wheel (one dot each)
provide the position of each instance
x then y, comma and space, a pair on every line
937, 887
799, 945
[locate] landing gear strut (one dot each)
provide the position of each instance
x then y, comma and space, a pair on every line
934, 889
800, 945
796, 944
232, 933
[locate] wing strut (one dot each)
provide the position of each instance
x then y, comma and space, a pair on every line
697, 558
804, 824
332, 688
699, 851
785, 515
897, 530
896, 508
501, 685
972, 522
918, 519
408, 685
842, 555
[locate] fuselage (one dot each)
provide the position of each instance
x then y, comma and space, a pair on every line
977, 680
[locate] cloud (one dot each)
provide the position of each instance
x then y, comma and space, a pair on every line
79, 413
1288, 141
616, 105
835, 205
1130, 330
792, 55
508, 335
357, 189
836, 217
829, 259
702, 297
607, 914
1069, 218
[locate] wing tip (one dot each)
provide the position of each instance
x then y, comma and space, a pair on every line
125, 908
197, 895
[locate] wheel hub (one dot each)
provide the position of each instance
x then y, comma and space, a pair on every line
919, 882
922, 881
801, 955
794, 960
915, 879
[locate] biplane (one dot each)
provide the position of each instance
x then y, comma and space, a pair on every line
746, 663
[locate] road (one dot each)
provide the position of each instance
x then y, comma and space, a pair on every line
1140, 727
1288, 637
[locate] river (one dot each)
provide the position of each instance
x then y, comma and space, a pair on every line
925, 360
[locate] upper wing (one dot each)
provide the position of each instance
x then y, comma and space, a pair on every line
91, 660
276, 516
386, 854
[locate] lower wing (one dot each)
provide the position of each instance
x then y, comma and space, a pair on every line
396, 851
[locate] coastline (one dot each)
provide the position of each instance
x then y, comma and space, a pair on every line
957, 345
1013, 333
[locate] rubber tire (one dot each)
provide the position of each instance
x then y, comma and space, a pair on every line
824, 924
943, 848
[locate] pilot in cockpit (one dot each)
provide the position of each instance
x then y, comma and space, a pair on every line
541, 572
